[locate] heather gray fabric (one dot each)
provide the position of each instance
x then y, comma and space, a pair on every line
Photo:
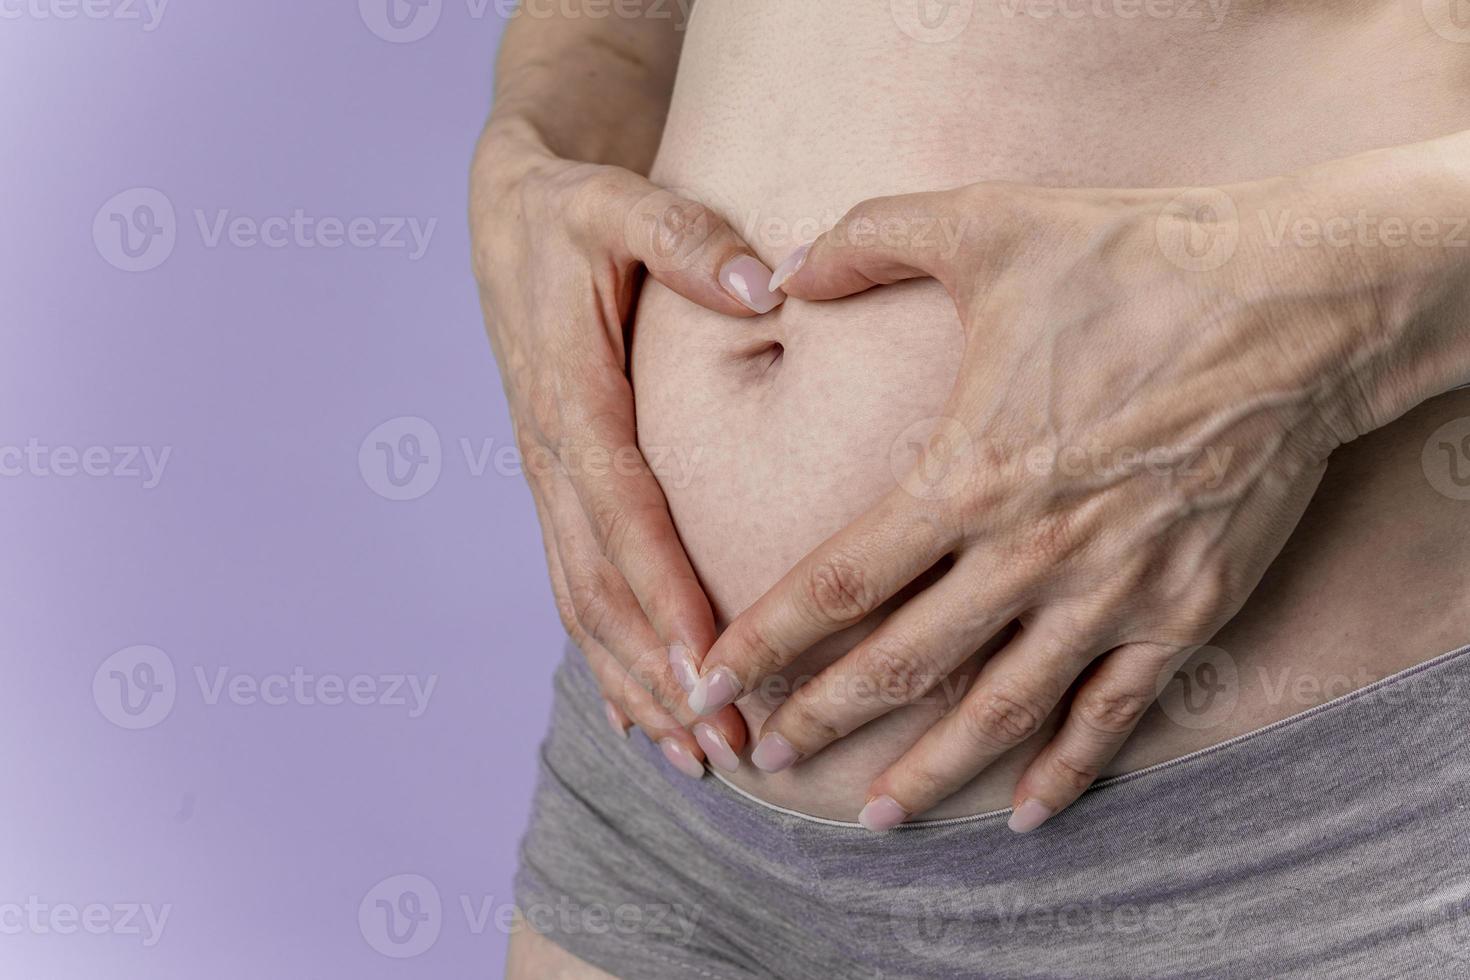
1334, 844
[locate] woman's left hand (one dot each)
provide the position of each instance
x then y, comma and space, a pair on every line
1150, 388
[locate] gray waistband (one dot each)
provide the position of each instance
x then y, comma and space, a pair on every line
1333, 844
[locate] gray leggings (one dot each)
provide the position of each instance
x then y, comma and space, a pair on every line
1333, 844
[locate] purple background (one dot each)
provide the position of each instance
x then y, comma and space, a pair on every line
265, 546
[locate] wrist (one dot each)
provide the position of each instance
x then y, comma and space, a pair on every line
509, 149
1394, 228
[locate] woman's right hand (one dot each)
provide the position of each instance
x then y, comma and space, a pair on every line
558, 248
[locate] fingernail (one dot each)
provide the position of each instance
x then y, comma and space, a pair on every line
613, 719
746, 278
683, 666
713, 691
716, 749
882, 813
773, 753
681, 758
1028, 816
789, 267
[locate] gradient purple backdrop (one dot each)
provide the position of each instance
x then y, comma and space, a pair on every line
266, 539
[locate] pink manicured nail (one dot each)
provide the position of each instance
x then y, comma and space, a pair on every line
713, 692
613, 719
716, 749
789, 267
882, 813
746, 278
683, 666
681, 758
773, 753
1028, 816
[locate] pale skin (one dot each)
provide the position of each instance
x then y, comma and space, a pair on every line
563, 225
1115, 567
1281, 416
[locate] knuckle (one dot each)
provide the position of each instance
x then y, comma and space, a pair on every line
1001, 717
903, 674
1112, 711
838, 592
680, 228
1051, 539
589, 190
808, 723
866, 216
592, 605
759, 654
920, 783
543, 405
1074, 773
662, 689
614, 523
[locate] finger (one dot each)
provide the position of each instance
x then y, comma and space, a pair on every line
835, 587
687, 246
1104, 712
628, 513
678, 746
616, 719
721, 736
913, 654
1007, 704
626, 703
604, 608
888, 239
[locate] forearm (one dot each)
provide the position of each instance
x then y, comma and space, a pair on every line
1395, 225
591, 85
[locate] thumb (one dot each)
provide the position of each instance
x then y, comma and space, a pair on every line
880, 241
692, 250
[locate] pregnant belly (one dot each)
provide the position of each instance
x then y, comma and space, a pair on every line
770, 434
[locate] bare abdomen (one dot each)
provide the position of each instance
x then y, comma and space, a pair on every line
778, 431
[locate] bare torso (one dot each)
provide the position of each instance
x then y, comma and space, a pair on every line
787, 113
